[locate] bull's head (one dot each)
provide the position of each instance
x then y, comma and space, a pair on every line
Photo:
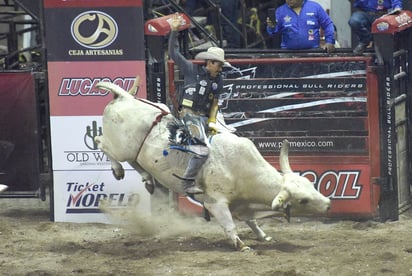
297, 192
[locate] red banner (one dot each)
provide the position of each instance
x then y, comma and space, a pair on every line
72, 90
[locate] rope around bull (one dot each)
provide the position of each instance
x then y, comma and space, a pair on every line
154, 123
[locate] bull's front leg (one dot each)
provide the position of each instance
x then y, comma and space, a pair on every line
117, 168
257, 230
220, 210
249, 213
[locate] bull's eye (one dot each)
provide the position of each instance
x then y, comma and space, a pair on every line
303, 201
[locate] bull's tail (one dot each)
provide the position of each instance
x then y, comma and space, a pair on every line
115, 89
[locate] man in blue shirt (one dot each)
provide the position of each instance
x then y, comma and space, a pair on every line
299, 22
367, 11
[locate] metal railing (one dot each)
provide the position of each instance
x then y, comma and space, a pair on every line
16, 22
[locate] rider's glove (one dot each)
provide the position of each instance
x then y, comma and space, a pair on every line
212, 128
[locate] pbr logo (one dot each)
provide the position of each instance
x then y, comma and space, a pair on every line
382, 26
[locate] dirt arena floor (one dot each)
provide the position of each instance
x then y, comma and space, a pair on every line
169, 244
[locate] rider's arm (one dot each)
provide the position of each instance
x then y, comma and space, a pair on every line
213, 111
173, 48
212, 117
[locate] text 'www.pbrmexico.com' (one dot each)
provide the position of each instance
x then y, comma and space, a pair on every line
300, 145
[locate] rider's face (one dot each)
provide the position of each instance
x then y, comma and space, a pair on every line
214, 67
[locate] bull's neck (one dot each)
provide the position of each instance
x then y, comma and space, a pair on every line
269, 182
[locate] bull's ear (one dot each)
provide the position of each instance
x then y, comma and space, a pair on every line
280, 202
284, 157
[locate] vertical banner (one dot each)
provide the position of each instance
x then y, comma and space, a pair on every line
88, 42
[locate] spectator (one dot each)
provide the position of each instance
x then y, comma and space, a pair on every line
299, 23
367, 11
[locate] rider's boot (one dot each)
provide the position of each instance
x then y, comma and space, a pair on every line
194, 166
190, 187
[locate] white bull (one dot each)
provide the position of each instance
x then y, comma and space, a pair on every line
234, 177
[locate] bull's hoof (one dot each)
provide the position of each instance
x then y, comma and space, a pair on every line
265, 238
241, 246
149, 187
245, 249
268, 238
118, 176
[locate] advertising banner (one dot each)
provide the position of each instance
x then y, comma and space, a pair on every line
72, 85
89, 42
347, 185
73, 144
82, 195
98, 30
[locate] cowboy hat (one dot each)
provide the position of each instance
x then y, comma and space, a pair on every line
213, 53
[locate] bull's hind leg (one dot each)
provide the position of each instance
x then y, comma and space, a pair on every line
117, 168
257, 230
221, 212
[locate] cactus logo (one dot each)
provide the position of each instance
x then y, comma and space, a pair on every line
91, 132
92, 156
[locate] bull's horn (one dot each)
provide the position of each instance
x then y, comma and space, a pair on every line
135, 87
117, 90
284, 157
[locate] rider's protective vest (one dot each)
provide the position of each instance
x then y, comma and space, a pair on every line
199, 96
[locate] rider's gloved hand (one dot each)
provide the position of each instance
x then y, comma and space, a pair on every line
212, 128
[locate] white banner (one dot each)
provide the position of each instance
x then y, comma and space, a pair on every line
80, 195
